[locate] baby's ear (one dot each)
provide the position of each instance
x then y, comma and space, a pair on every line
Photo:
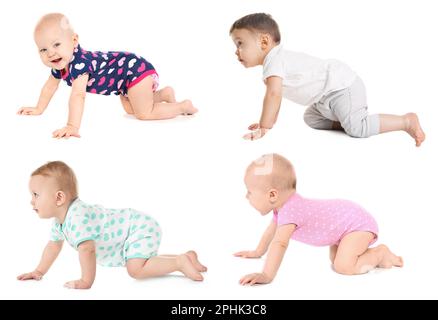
75, 39
273, 195
264, 40
60, 198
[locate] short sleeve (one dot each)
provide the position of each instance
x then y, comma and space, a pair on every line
83, 227
56, 73
274, 67
56, 232
79, 67
290, 216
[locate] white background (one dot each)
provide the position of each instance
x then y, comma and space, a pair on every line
188, 172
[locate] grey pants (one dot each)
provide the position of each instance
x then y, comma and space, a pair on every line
347, 106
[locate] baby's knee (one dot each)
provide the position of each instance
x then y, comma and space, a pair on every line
144, 116
358, 131
134, 272
169, 91
344, 268
315, 120
309, 117
363, 128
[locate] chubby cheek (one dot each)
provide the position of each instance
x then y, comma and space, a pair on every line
67, 55
45, 60
250, 200
255, 204
264, 207
43, 213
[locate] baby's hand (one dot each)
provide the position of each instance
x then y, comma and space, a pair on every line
66, 132
254, 278
247, 254
77, 284
34, 275
256, 133
29, 111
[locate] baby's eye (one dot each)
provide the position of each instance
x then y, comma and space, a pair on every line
35, 195
43, 50
56, 45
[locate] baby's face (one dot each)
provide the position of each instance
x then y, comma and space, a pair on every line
248, 47
258, 193
43, 190
55, 46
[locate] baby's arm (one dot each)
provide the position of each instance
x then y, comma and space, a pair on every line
275, 256
87, 259
50, 253
46, 95
263, 246
75, 109
271, 107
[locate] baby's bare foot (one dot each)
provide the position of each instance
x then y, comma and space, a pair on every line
389, 259
188, 108
413, 127
194, 259
186, 266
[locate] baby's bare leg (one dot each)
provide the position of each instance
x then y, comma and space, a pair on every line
165, 95
354, 257
162, 265
193, 256
126, 105
333, 250
408, 122
141, 98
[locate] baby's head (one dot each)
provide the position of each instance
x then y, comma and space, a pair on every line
56, 40
270, 181
254, 36
53, 187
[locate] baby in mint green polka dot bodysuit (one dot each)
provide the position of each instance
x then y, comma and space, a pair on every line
110, 237
119, 234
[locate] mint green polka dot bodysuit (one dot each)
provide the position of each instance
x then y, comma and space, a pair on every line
119, 234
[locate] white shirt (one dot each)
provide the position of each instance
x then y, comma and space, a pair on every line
305, 78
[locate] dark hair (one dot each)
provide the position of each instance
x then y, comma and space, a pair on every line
258, 22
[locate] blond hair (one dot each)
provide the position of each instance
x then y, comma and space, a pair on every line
54, 18
278, 170
63, 175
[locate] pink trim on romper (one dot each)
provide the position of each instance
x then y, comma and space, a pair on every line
65, 74
141, 77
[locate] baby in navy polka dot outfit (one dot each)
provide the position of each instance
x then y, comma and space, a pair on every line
343, 225
110, 237
124, 74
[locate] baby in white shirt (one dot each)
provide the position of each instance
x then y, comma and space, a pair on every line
334, 94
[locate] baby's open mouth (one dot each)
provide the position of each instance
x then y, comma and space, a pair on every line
56, 60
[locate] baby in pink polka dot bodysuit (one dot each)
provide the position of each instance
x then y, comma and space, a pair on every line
346, 227
121, 73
